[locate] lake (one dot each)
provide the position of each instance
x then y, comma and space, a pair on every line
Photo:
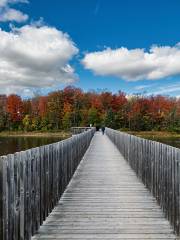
17, 144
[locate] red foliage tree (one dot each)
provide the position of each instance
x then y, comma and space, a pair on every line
118, 101
43, 106
15, 107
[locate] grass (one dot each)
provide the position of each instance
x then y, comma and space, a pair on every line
56, 134
155, 134
166, 137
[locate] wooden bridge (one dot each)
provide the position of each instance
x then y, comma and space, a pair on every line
105, 198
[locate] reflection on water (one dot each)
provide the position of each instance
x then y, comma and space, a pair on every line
17, 144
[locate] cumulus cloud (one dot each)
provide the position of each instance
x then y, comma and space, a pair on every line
35, 57
8, 13
4, 3
135, 64
11, 14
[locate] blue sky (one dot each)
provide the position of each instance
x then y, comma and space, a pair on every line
95, 25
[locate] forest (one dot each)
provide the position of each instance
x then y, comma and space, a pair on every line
71, 106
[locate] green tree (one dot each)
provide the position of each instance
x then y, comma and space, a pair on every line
55, 109
36, 124
110, 119
67, 120
27, 122
44, 124
94, 116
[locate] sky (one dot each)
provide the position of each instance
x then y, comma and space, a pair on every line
127, 45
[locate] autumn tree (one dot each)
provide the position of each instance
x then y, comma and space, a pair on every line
94, 117
3, 114
15, 109
42, 106
55, 105
27, 106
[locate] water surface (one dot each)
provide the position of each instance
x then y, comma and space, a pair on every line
17, 144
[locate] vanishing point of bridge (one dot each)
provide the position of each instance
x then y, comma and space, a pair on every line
106, 199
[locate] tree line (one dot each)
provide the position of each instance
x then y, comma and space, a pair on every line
73, 107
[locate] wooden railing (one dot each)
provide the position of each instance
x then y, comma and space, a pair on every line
158, 166
32, 181
77, 130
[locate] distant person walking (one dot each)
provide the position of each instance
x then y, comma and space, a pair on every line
103, 130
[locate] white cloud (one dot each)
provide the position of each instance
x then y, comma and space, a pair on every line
168, 89
8, 13
136, 64
11, 14
142, 87
35, 57
4, 3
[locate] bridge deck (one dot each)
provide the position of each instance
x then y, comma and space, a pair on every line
105, 200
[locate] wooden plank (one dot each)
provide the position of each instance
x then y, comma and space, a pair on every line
16, 196
1, 196
22, 194
3, 199
11, 196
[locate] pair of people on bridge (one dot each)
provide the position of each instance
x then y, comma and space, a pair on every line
102, 129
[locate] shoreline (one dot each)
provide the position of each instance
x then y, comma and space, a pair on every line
58, 134
155, 134
66, 134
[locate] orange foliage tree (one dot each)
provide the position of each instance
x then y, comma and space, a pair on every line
15, 107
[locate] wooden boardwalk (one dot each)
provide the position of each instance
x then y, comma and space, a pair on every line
105, 200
